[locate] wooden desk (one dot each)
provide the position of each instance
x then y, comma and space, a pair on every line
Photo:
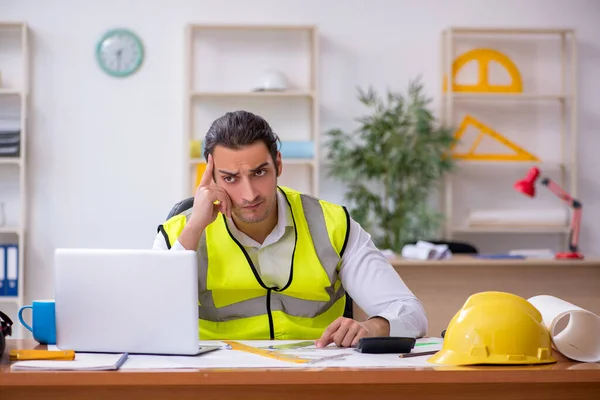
444, 286
485, 262
562, 380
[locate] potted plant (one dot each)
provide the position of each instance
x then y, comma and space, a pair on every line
391, 164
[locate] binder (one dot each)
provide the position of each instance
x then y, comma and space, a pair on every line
3, 278
12, 270
297, 149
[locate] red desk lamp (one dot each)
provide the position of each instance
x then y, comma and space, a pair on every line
527, 186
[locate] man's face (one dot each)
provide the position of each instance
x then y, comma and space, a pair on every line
249, 176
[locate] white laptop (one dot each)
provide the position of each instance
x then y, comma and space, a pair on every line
127, 301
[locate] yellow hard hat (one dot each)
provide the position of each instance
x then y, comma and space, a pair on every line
495, 328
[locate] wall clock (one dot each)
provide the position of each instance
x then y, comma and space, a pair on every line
120, 53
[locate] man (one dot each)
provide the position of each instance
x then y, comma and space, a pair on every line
275, 263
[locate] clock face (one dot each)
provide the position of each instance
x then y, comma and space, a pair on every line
120, 53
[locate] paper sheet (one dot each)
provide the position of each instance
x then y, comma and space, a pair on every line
354, 359
580, 339
216, 359
423, 250
82, 362
331, 356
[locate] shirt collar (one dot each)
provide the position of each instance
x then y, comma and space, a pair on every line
284, 221
284, 214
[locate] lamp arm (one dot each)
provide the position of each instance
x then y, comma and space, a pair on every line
577, 211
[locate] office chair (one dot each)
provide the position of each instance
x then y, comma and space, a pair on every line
180, 207
5, 330
189, 202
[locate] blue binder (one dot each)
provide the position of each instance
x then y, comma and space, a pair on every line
12, 270
300, 149
3, 278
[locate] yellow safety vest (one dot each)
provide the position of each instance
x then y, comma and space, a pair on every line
233, 301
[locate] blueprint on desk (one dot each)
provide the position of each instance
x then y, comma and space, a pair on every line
331, 356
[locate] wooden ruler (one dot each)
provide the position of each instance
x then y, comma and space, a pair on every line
233, 345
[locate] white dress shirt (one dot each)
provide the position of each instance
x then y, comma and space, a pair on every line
366, 275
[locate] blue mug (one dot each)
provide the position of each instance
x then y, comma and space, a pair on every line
43, 321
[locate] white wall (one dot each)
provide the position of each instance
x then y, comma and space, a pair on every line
103, 153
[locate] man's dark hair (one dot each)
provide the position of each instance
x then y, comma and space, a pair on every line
240, 128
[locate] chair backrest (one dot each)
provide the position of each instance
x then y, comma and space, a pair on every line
455, 247
460, 247
181, 207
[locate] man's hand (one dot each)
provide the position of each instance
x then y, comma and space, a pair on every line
208, 201
346, 332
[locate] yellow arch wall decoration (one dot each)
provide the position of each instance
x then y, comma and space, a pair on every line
519, 154
483, 58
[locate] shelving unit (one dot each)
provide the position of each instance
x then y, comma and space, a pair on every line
251, 94
554, 142
14, 97
224, 64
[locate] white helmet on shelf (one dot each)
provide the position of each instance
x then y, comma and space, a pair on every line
272, 81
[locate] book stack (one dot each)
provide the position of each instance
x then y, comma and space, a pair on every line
10, 138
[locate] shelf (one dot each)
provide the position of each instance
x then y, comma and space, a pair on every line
298, 161
226, 64
545, 165
505, 96
555, 139
10, 229
512, 229
243, 27
10, 160
10, 92
510, 31
14, 108
288, 161
11, 24
250, 94
10, 299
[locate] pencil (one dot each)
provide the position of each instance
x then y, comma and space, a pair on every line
17, 355
423, 353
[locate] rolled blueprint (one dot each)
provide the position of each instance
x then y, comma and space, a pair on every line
580, 339
411, 251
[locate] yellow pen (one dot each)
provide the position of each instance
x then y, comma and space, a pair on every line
61, 355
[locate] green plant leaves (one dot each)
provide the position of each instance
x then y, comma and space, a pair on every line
391, 163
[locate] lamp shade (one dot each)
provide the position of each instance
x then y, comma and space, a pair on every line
527, 184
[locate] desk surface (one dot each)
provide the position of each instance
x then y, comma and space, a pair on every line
565, 379
466, 260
